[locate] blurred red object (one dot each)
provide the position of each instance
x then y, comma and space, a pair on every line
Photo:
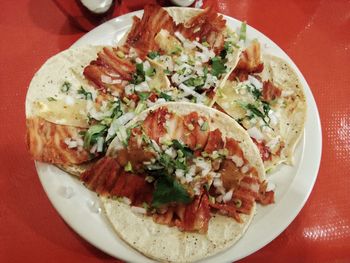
83, 19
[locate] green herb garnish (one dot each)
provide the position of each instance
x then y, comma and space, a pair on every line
153, 54
195, 82
51, 99
167, 71
238, 203
205, 43
143, 96
165, 96
93, 133
217, 66
243, 31
139, 75
205, 126
168, 190
187, 152
255, 111
66, 86
254, 91
128, 167
140, 107
87, 95
150, 72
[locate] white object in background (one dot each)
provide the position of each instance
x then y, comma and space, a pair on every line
97, 6
182, 2
198, 4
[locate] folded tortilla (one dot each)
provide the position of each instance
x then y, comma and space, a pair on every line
169, 244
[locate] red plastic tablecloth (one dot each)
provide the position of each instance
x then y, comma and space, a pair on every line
316, 34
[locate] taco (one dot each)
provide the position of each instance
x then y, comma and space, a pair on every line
56, 109
194, 48
265, 95
183, 184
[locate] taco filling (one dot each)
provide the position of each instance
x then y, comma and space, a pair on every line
265, 96
178, 170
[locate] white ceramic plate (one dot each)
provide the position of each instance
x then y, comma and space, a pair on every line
293, 184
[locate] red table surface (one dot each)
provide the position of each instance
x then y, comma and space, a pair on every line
315, 34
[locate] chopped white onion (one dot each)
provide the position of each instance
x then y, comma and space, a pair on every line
227, 197
138, 210
270, 186
217, 182
71, 143
255, 82
146, 65
245, 168
126, 200
204, 166
116, 123
138, 60
156, 146
100, 142
255, 133
287, 93
273, 142
254, 188
109, 80
129, 89
93, 148
142, 87
273, 117
187, 44
237, 160
171, 152
190, 91
179, 173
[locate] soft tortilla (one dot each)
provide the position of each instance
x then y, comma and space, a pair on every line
67, 65
168, 243
293, 116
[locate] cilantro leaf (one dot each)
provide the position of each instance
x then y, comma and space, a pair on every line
168, 190
87, 95
66, 86
195, 82
150, 72
217, 66
143, 96
165, 96
255, 111
92, 134
139, 75
254, 91
153, 54
117, 111
187, 152
266, 108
